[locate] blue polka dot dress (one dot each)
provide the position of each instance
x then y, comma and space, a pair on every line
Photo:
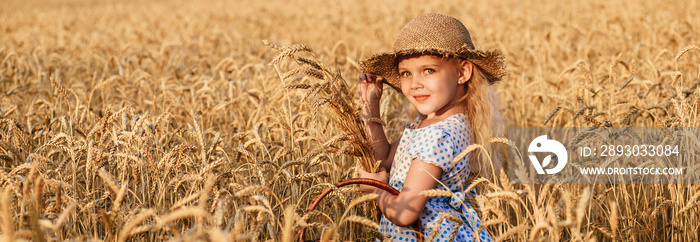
437, 144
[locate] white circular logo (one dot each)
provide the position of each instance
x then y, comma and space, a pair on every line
542, 144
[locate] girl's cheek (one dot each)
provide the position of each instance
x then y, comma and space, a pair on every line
404, 88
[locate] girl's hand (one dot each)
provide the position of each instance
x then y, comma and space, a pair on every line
381, 175
369, 88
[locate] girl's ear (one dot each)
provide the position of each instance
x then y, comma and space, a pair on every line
465, 69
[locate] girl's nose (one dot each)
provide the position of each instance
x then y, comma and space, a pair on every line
416, 83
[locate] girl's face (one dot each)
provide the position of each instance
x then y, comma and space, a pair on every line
434, 84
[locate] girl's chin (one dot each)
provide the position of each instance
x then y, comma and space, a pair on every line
424, 109
424, 112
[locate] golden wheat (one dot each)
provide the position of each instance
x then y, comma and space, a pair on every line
116, 126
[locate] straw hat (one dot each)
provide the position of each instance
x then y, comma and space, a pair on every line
435, 34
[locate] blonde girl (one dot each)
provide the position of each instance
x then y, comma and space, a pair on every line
435, 65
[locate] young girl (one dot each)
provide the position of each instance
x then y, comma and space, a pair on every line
435, 65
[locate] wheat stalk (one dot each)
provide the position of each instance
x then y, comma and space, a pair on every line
362, 220
511, 232
466, 152
128, 228
252, 190
436, 193
180, 214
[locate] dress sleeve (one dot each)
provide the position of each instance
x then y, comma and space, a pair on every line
434, 146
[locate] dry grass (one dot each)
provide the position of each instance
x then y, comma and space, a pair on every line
124, 120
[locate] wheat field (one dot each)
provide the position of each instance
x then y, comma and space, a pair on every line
173, 120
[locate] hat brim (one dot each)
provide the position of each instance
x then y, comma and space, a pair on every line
490, 62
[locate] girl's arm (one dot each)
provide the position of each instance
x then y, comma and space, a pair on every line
369, 89
386, 163
405, 208
382, 148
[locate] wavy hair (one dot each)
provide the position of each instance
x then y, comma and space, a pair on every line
482, 106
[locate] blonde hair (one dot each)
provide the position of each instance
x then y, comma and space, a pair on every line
482, 107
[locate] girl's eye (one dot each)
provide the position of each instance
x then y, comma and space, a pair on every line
405, 74
429, 71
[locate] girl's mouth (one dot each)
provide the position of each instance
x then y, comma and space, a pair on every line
421, 98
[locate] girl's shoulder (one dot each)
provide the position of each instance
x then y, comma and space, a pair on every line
438, 143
